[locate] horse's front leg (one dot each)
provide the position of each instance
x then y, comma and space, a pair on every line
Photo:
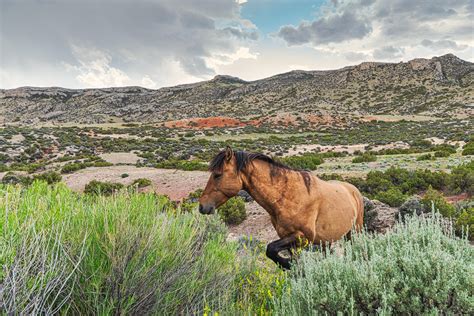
275, 247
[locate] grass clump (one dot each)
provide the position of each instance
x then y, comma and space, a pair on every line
67, 253
141, 182
418, 268
102, 188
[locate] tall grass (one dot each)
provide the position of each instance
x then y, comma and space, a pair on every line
129, 253
418, 268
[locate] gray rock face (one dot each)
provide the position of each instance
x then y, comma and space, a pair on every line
412, 206
245, 195
379, 217
417, 86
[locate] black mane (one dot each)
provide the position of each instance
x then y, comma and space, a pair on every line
243, 159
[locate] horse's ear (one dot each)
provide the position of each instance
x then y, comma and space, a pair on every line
229, 153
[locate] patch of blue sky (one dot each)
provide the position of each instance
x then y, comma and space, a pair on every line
270, 15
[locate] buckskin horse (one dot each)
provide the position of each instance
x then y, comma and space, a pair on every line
303, 208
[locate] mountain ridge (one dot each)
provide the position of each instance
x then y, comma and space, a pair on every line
438, 86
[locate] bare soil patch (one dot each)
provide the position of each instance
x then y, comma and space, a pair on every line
176, 184
257, 225
121, 158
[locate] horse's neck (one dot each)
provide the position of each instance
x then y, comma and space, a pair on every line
258, 183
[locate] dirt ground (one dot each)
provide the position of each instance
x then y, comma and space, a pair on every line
257, 225
175, 183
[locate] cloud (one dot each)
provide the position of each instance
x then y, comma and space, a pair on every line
133, 37
331, 29
440, 44
355, 56
388, 52
354, 27
94, 69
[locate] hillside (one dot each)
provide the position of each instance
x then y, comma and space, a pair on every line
441, 86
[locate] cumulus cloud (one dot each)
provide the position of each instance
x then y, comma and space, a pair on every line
331, 29
440, 44
403, 27
94, 69
130, 39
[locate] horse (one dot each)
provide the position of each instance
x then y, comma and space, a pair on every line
303, 208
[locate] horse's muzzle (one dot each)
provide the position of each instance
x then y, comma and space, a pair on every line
206, 209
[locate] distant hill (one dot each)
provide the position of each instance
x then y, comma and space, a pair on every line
440, 86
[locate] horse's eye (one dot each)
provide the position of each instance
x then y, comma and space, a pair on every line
217, 176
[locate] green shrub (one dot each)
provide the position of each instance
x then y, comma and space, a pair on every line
465, 221
442, 153
415, 269
392, 197
72, 167
233, 211
13, 178
306, 161
462, 179
141, 182
468, 149
425, 157
187, 165
50, 177
102, 188
366, 157
436, 199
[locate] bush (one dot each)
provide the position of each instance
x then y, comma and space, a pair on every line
425, 157
393, 197
468, 149
366, 157
50, 177
464, 224
13, 178
187, 165
462, 179
306, 161
442, 153
433, 197
72, 167
102, 188
233, 211
141, 182
417, 268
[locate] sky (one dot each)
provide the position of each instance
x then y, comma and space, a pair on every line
157, 43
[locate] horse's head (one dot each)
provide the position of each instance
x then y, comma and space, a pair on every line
223, 183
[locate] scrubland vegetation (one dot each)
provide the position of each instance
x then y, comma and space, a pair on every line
137, 253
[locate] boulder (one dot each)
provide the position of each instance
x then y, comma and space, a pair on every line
411, 206
379, 217
245, 195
